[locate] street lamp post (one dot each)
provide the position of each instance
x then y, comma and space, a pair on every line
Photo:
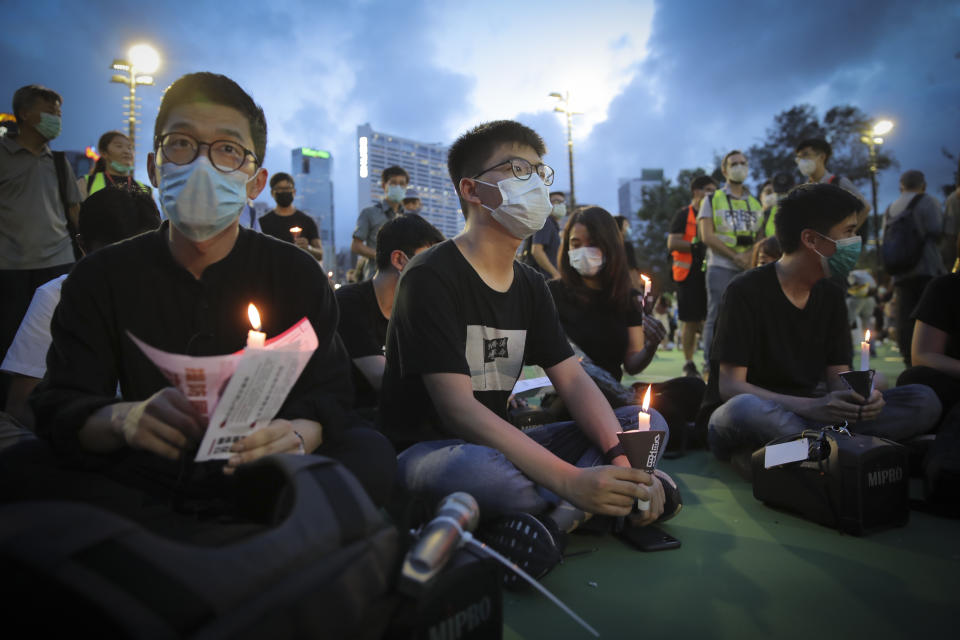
141, 59
565, 109
874, 138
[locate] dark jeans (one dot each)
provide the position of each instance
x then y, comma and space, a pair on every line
909, 291
946, 387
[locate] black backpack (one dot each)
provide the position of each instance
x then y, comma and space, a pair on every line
903, 240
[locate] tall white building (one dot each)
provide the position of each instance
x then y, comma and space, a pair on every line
427, 165
312, 170
630, 191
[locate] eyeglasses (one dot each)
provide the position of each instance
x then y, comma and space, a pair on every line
227, 156
522, 169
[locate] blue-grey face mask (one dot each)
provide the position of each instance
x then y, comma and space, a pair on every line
121, 168
396, 192
844, 259
49, 125
200, 200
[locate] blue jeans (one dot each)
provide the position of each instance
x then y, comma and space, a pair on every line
746, 422
436, 468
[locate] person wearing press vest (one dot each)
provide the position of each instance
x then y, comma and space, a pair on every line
927, 219
114, 167
729, 223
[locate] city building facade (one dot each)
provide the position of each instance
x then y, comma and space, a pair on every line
312, 171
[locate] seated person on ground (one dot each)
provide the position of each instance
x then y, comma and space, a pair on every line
365, 307
109, 215
601, 313
783, 329
184, 289
466, 318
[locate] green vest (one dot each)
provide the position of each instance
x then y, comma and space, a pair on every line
100, 181
769, 231
742, 222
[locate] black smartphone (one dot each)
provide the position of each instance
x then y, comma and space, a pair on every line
648, 538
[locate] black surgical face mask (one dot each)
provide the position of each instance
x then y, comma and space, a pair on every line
284, 198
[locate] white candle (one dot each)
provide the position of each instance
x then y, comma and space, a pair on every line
295, 232
255, 338
865, 352
643, 417
646, 286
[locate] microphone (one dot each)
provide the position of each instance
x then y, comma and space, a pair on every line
457, 513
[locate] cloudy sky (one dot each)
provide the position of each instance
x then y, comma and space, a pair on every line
661, 84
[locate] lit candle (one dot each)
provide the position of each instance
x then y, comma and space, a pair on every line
643, 417
295, 232
646, 287
865, 352
255, 337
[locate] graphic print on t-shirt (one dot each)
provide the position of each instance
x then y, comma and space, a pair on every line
495, 357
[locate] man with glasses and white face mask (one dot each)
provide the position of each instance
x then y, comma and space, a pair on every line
466, 318
185, 289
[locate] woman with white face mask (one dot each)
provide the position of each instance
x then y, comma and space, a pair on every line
600, 313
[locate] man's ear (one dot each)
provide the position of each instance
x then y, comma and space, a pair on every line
398, 259
257, 183
152, 169
808, 238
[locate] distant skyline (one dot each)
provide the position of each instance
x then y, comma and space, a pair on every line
661, 84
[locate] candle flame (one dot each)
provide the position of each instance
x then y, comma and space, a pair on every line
254, 316
646, 399
295, 229
644, 277
866, 336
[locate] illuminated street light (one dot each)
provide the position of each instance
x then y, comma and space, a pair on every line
141, 59
873, 138
565, 101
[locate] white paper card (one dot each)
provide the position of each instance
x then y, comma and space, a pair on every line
794, 451
532, 384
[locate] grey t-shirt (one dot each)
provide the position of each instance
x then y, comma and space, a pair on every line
843, 183
930, 217
33, 224
368, 224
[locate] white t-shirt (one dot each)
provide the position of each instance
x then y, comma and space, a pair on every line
28, 353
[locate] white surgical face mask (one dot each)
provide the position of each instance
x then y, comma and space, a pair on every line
525, 206
200, 200
396, 192
587, 261
769, 200
806, 166
738, 173
559, 210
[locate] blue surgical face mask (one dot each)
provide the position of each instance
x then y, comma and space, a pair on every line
396, 192
200, 200
49, 125
843, 260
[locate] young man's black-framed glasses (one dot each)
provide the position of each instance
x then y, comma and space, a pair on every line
226, 155
522, 169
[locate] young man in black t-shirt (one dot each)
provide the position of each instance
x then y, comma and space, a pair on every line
285, 216
466, 318
782, 329
365, 307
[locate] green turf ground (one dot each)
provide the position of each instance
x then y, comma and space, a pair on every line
748, 571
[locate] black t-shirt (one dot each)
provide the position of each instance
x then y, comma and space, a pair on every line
364, 332
594, 326
446, 319
940, 308
631, 255
785, 349
273, 224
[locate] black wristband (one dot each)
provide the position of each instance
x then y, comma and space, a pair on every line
613, 452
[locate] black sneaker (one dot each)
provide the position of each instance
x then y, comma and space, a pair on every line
690, 370
531, 544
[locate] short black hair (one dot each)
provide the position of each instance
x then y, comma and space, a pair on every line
393, 171
723, 163
407, 233
215, 88
819, 145
701, 182
471, 152
913, 179
783, 182
557, 193
817, 206
25, 97
116, 213
280, 176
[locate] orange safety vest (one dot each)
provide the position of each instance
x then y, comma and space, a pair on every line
681, 260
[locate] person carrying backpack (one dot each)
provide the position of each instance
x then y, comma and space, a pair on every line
912, 226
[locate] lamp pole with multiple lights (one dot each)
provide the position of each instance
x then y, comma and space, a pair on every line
141, 59
873, 138
565, 101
